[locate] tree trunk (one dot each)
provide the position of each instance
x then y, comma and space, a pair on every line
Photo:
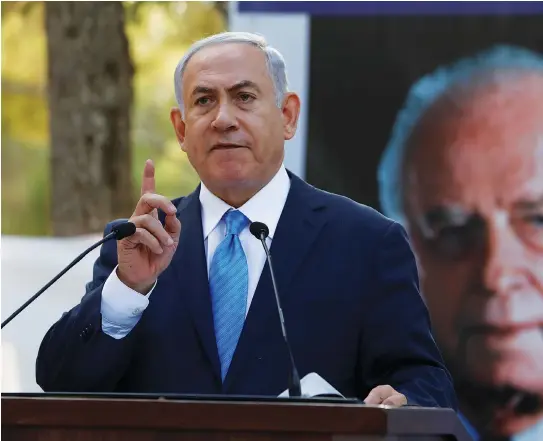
90, 99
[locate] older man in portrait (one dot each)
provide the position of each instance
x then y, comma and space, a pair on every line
463, 172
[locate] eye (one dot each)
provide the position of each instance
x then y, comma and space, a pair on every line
530, 229
457, 241
246, 97
202, 101
535, 219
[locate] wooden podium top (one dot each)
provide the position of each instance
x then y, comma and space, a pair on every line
227, 415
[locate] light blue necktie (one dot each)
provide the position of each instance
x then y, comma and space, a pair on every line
228, 284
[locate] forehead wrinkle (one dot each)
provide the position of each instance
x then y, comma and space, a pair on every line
216, 61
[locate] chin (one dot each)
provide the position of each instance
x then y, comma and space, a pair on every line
231, 176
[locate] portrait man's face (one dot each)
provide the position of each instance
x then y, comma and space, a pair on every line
473, 185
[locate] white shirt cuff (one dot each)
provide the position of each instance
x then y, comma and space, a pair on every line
122, 305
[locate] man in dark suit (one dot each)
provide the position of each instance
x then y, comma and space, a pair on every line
186, 305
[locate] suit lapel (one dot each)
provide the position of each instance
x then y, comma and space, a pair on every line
190, 266
298, 227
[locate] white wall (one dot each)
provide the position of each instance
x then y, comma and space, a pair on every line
289, 34
27, 264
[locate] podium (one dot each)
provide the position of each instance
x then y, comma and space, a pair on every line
41, 417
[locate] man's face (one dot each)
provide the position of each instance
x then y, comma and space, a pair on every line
474, 192
232, 129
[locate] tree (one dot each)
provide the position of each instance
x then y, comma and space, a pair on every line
90, 96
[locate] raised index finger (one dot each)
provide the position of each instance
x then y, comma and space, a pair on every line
148, 181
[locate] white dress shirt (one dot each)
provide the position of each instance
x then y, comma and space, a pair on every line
122, 307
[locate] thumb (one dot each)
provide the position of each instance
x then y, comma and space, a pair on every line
395, 400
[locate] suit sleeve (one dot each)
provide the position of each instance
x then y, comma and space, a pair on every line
76, 355
399, 348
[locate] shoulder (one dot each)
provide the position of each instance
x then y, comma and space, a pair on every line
349, 214
346, 218
365, 235
370, 235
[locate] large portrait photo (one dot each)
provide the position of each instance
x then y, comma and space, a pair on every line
437, 121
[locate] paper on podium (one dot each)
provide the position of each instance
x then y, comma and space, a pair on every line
313, 385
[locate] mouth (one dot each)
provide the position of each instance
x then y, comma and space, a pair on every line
504, 330
227, 146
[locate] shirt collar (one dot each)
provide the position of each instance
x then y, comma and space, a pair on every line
266, 206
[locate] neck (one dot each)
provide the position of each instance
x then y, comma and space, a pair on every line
236, 197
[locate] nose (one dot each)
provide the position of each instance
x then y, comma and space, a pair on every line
502, 271
225, 119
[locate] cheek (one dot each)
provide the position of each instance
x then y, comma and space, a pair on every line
443, 285
195, 137
535, 264
265, 132
442, 282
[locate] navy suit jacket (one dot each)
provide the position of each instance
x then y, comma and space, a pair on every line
349, 289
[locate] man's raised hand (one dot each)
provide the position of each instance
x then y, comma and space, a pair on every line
143, 256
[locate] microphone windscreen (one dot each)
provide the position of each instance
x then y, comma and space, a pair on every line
124, 230
258, 229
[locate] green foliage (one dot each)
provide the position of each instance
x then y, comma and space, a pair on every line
25, 180
159, 33
25, 189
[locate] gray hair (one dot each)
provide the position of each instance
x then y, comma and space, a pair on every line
422, 95
274, 61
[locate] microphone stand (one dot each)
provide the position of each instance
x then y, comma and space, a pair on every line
260, 231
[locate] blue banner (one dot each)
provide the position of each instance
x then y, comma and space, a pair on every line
393, 8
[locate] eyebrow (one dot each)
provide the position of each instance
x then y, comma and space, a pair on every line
200, 90
457, 215
239, 85
439, 217
447, 215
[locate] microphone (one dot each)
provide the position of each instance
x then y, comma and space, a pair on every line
119, 232
261, 232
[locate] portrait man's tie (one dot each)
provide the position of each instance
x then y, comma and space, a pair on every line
228, 283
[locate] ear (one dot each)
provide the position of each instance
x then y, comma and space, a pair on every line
291, 113
178, 125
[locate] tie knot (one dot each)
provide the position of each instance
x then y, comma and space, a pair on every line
236, 221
